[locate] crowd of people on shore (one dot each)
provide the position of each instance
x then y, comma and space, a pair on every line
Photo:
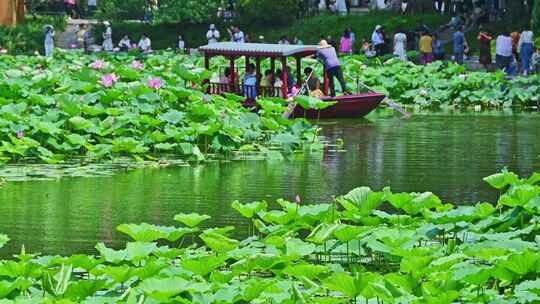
514, 52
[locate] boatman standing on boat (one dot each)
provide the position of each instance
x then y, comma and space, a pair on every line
328, 55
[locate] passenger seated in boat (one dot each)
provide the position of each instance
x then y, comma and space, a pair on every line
226, 77
224, 83
313, 83
278, 83
250, 82
267, 84
290, 79
268, 79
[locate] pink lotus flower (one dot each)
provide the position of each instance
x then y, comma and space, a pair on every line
98, 64
155, 83
3, 51
73, 46
137, 65
20, 134
109, 80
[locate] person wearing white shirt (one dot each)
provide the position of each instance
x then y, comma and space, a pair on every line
212, 35
341, 7
107, 37
504, 51
124, 44
237, 35
377, 40
283, 40
49, 40
351, 34
181, 45
145, 44
526, 49
92, 5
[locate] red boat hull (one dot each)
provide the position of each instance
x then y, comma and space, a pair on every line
349, 106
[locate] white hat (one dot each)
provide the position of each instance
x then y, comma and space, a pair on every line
378, 27
323, 44
106, 23
212, 26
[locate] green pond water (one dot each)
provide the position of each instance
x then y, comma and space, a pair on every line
447, 154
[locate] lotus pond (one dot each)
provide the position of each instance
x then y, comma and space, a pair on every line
348, 250
219, 232
90, 108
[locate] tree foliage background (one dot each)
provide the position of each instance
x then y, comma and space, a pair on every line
193, 11
198, 11
268, 11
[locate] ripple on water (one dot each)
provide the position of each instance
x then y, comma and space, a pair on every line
446, 153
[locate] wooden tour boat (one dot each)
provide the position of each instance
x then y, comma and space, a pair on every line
347, 106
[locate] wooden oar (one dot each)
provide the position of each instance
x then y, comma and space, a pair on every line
397, 107
292, 104
389, 102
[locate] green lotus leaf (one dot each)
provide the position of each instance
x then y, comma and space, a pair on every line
249, 210
48, 127
269, 106
69, 105
119, 274
165, 146
83, 261
76, 139
21, 269
472, 274
150, 233
522, 263
138, 251
501, 180
305, 270
519, 195
80, 123
162, 289
204, 265
322, 233
277, 217
528, 291
191, 220
362, 200
255, 287
172, 117
350, 286
308, 102
347, 233
296, 248
218, 242
188, 75
151, 269
111, 255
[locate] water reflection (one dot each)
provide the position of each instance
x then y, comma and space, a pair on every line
446, 154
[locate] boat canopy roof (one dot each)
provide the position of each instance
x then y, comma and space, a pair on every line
257, 49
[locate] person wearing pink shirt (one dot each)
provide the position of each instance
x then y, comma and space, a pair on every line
70, 7
346, 44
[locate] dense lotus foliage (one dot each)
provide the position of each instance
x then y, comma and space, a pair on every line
365, 247
442, 84
77, 105
102, 106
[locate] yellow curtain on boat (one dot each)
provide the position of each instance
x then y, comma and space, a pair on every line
11, 12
